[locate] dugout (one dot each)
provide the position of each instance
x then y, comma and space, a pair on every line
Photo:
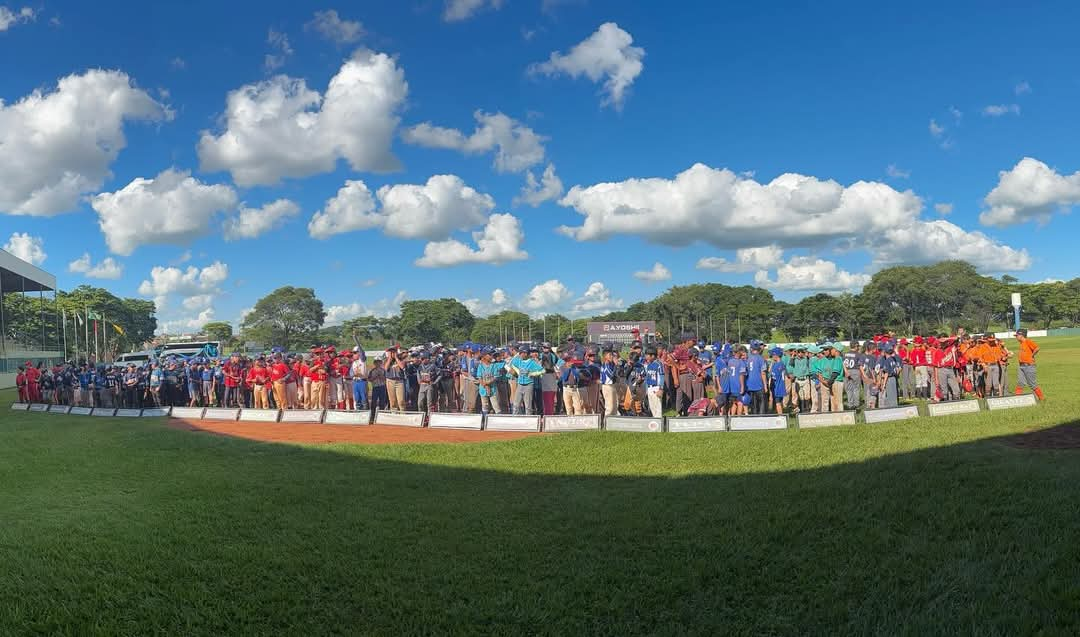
29, 325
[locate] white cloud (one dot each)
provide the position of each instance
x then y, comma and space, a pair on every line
933, 241
659, 272
430, 211
9, 18
108, 268
534, 193
192, 282
1023, 88
997, 110
936, 130
279, 128
894, 171
546, 296
197, 302
27, 248
458, 10
55, 147
605, 55
809, 273
368, 283
383, 308
499, 302
1031, 190
186, 324
498, 243
178, 63
746, 260
597, 300
943, 209
956, 113
172, 208
516, 146
1049, 281
184, 257
329, 25
280, 43
250, 223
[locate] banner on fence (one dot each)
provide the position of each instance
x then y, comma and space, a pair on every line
456, 421
400, 418
39, 407
495, 422
259, 415
84, 411
830, 419
128, 413
758, 423
101, 412
58, 409
157, 412
893, 413
954, 407
705, 423
634, 424
20, 406
302, 415
1011, 402
347, 417
193, 413
566, 423
220, 414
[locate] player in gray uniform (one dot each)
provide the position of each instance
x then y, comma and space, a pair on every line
852, 375
868, 370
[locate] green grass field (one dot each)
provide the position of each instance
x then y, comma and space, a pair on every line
122, 527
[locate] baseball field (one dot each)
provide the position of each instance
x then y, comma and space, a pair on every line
954, 525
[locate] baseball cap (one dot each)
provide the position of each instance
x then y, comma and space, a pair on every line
1022, 331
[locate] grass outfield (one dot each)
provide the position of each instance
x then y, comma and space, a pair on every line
934, 526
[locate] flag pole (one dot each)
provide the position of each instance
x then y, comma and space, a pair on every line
86, 340
63, 314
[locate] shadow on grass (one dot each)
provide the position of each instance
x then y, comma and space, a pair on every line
1064, 436
117, 530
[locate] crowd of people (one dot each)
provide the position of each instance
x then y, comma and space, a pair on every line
690, 377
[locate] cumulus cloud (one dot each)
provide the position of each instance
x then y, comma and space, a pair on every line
329, 25
534, 192
171, 209
546, 296
107, 268
9, 18
936, 130
809, 273
606, 55
659, 272
597, 300
280, 128
746, 260
383, 308
28, 248
499, 301
458, 10
997, 110
933, 241
202, 284
943, 209
516, 146
279, 42
498, 243
57, 146
1030, 190
430, 211
250, 223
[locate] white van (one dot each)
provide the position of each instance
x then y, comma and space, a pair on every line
139, 358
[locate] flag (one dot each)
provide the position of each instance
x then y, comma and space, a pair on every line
119, 330
93, 316
78, 318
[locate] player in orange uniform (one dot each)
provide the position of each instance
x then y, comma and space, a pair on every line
1026, 375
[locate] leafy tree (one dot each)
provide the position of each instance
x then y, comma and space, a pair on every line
288, 317
218, 331
440, 320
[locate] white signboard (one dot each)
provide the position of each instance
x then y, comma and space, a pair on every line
85, 411
830, 419
758, 423
563, 423
192, 413
456, 421
1016, 299
688, 425
221, 414
20, 406
1011, 402
100, 412
39, 407
302, 415
496, 422
895, 413
158, 412
629, 423
954, 407
400, 418
58, 409
259, 415
128, 413
347, 417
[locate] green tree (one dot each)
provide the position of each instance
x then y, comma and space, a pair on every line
288, 317
218, 331
440, 320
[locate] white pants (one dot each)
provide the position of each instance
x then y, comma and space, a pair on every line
611, 405
656, 401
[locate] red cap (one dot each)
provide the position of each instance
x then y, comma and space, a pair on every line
903, 341
919, 340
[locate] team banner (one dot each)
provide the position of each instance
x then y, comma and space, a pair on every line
894, 413
703, 423
758, 423
1011, 402
954, 407
302, 415
259, 415
830, 419
193, 413
128, 413
58, 409
101, 412
456, 421
221, 414
400, 418
563, 423
83, 411
20, 406
156, 412
496, 422
634, 424
39, 407
346, 417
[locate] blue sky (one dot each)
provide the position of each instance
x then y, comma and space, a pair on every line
902, 131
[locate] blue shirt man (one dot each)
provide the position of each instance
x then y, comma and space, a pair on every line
736, 371
526, 368
755, 367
